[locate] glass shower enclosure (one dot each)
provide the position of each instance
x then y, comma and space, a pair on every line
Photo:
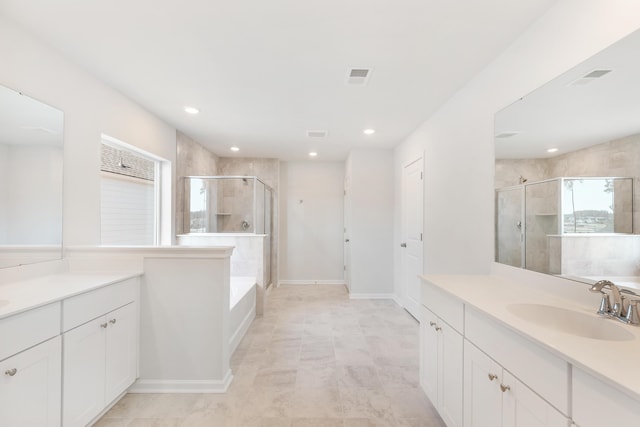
228, 204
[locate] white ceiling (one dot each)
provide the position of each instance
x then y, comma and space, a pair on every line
570, 117
262, 72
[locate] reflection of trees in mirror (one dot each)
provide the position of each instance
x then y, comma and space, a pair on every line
591, 206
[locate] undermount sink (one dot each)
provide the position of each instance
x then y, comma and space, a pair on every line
571, 322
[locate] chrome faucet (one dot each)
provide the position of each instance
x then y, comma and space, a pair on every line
618, 311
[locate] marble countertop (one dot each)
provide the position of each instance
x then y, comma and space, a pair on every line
616, 362
16, 297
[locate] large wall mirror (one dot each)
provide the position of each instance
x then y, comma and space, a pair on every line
567, 167
31, 151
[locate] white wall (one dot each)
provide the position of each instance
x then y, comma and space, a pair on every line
458, 138
311, 222
370, 211
90, 108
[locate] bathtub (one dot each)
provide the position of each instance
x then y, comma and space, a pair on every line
242, 308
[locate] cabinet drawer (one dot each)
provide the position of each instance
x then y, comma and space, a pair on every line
82, 308
24, 330
446, 307
542, 371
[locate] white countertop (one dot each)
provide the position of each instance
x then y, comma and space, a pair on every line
16, 297
616, 362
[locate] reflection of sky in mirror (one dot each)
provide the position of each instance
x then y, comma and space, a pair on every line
588, 194
198, 195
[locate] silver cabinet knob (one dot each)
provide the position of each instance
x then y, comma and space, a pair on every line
438, 328
112, 321
104, 325
492, 377
346, 240
403, 245
504, 388
11, 372
432, 324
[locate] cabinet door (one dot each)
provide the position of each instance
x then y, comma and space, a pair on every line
450, 368
521, 407
83, 372
597, 404
30, 387
482, 395
121, 351
429, 355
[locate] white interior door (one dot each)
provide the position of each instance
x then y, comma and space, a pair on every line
347, 230
411, 245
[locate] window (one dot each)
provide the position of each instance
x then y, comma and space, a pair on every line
129, 195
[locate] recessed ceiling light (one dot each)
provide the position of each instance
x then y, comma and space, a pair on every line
313, 154
369, 131
234, 149
552, 150
191, 110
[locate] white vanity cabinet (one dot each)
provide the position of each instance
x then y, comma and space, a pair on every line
30, 368
30, 387
441, 360
597, 404
494, 397
99, 355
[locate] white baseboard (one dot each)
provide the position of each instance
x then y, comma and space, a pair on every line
239, 333
373, 296
311, 282
183, 386
397, 300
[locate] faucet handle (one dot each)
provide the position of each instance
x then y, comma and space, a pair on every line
605, 305
631, 316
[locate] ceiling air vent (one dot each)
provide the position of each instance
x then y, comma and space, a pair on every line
590, 77
358, 76
317, 133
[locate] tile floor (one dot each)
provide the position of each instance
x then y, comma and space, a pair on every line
316, 359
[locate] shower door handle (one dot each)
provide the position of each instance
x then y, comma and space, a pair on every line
403, 245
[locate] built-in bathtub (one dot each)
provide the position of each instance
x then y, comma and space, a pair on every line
242, 308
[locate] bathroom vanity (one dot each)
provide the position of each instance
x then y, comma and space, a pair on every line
497, 353
69, 346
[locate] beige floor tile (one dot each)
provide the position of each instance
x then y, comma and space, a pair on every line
410, 403
368, 422
155, 422
316, 403
360, 402
316, 422
398, 376
313, 376
359, 376
275, 377
316, 358
131, 406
